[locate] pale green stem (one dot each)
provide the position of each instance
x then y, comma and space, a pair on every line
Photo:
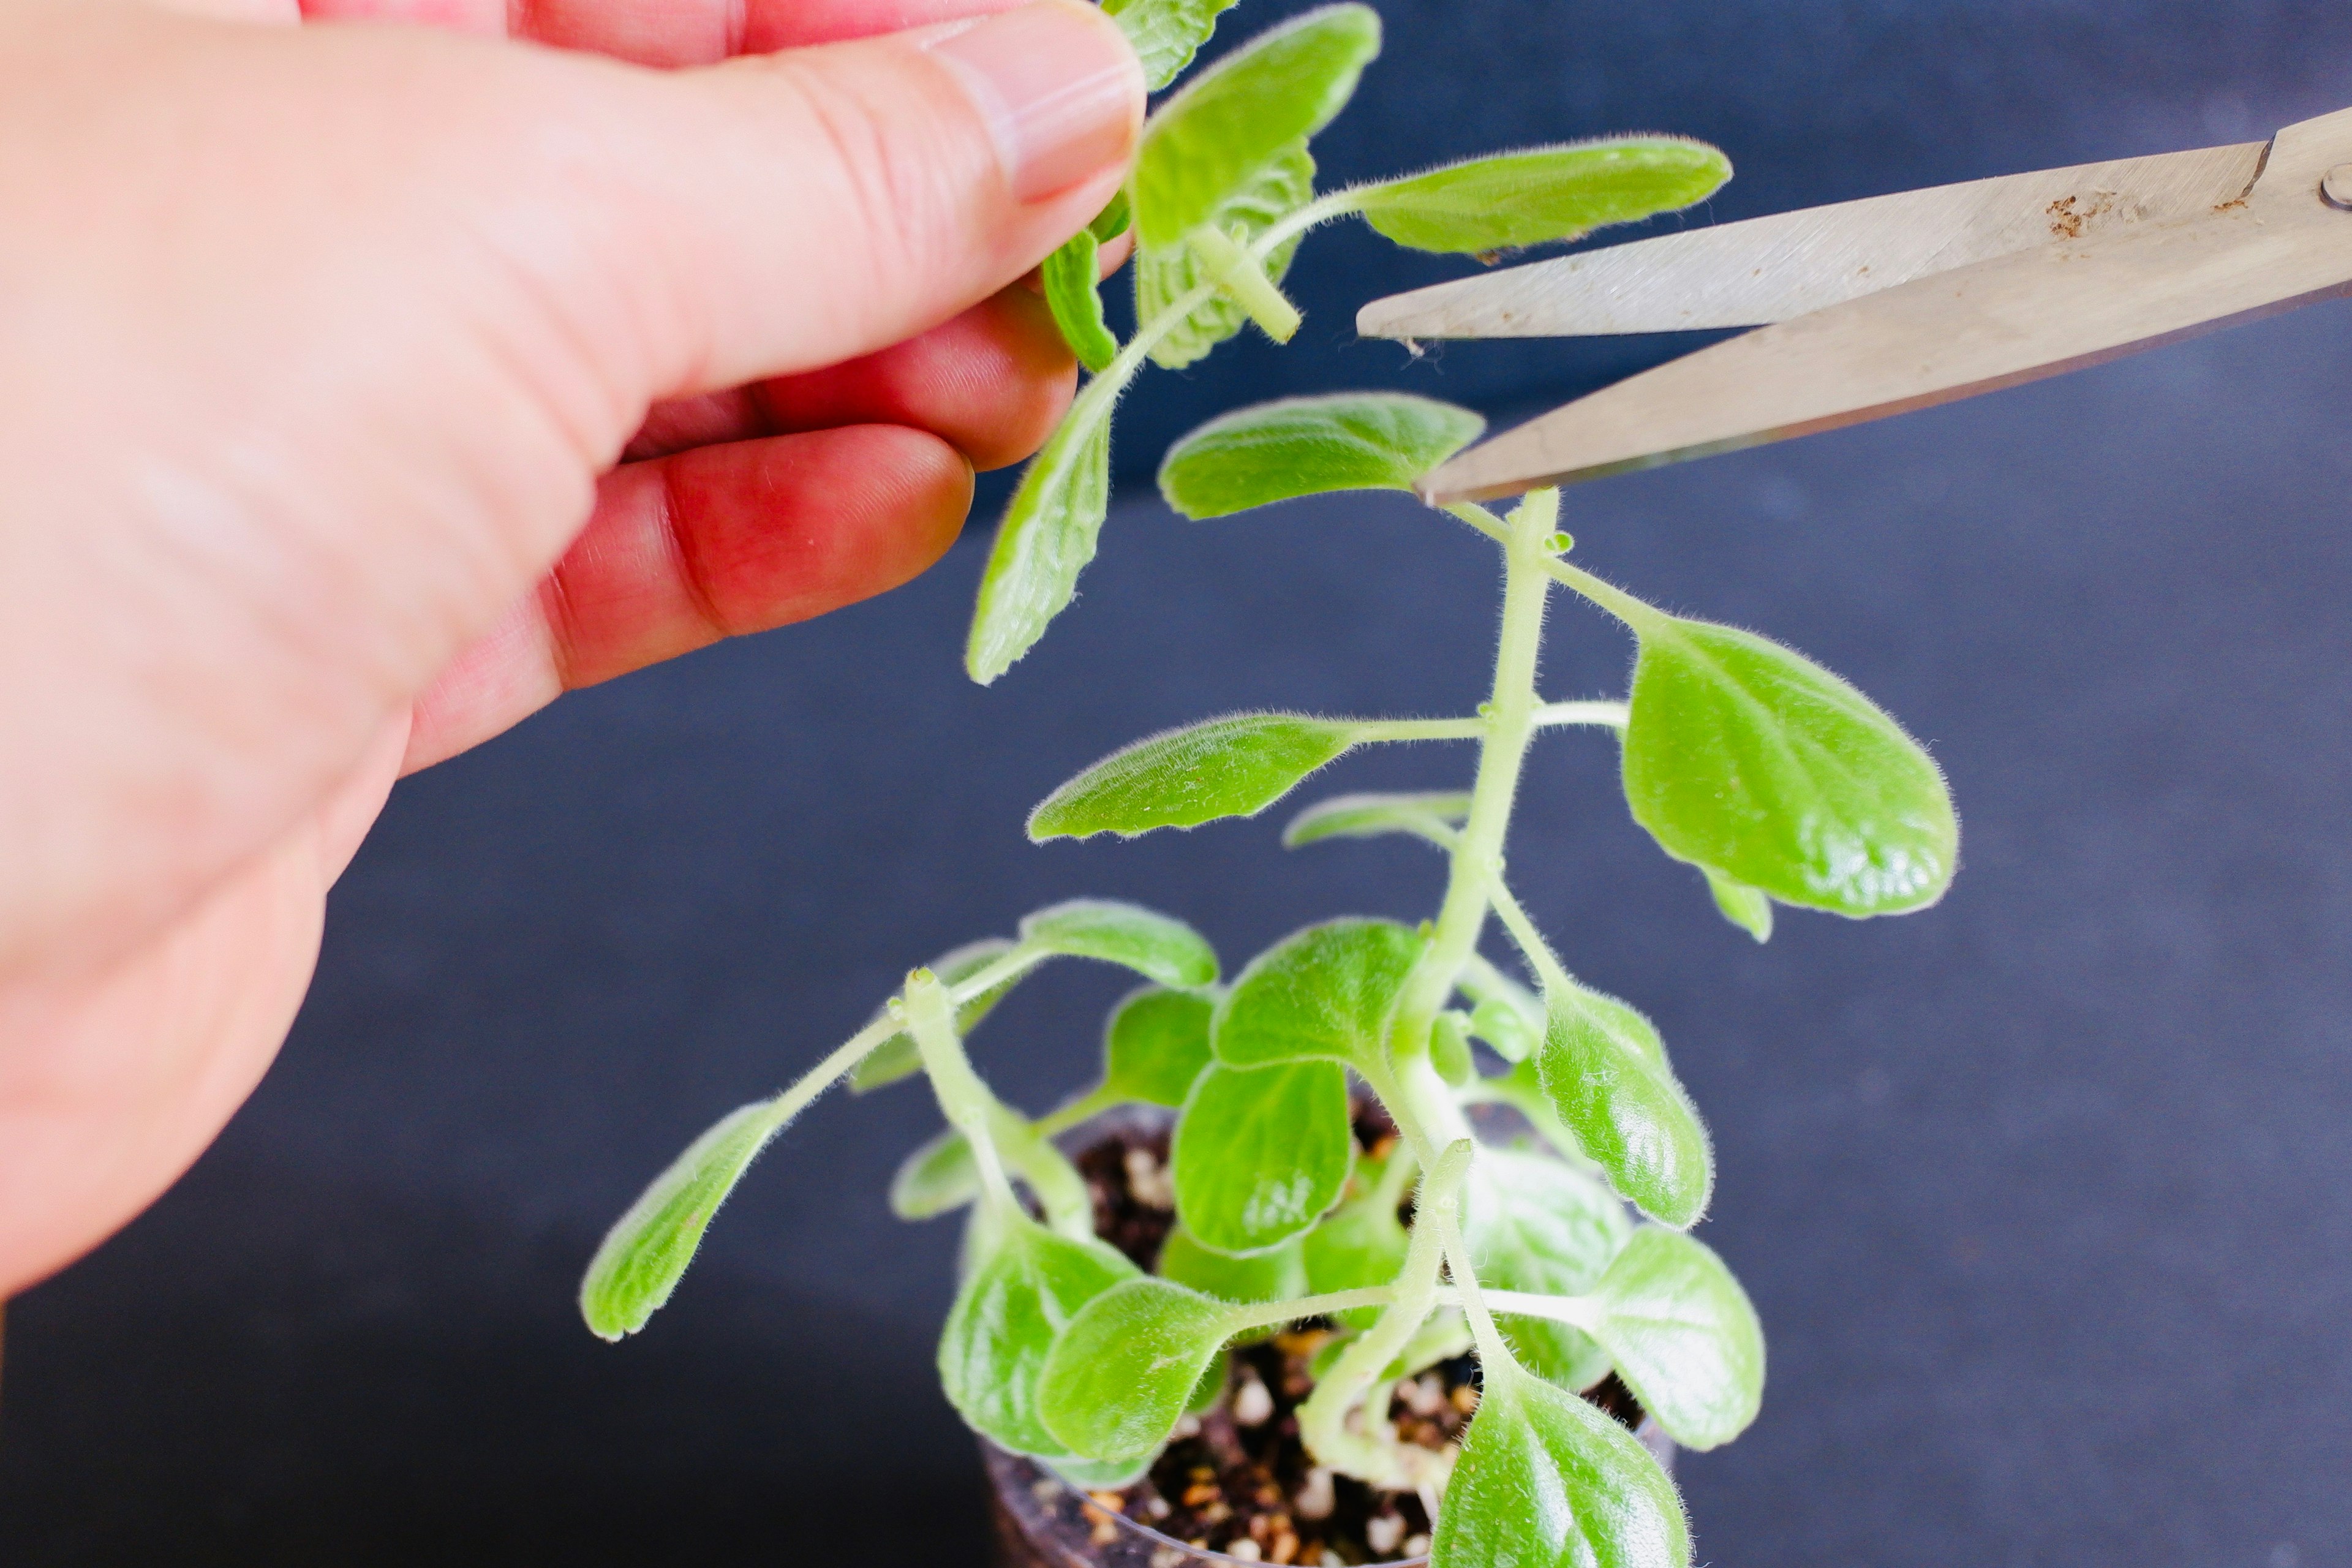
1611, 715
1322, 1420
963, 1099
997, 971
1025, 1148
1323, 209
1091, 1104
1640, 617
826, 1073
1549, 968
1396, 1176
1420, 730
1578, 1312
1427, 1112
1479, 517
1446, 1217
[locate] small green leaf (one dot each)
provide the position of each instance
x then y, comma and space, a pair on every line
1742, 905
1154, 945
1505, 1014
1542, 194
649, 1248
1276, 1275
1233, 766
1605, 1071
1165, 273
1045, 541
1319, 994
1546, 1480
1751, 760
1118, 1380
1071, 277
1684, 1336
1260, 1154
1311, 445
1534, 1225
1166, 34
897, 1057
1237, 116
936, 1178
1505, 1028
1449, 1048
1361, 1244
1022, 1291
1156, 1044
1432, 815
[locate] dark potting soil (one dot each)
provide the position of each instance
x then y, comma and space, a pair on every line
1237, 1479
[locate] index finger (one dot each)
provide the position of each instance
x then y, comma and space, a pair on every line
667, 32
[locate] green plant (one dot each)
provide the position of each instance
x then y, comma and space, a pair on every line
1777, 780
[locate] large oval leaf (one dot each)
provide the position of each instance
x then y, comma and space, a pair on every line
1156, 946
1546, 1480
1166, 34
1541, 193
1156, 1044
1534, 1225
1754, 762
648, 1249
1323, 993
1046, 538
897, 1057
1235, 766
1118, 1379
1021, 1292
1606, 1073
1259, 1155
1684, 1336
1237, 116
1164, 274
1312, 445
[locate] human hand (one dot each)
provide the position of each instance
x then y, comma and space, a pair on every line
368, 385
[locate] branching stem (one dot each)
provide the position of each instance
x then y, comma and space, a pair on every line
963, 1099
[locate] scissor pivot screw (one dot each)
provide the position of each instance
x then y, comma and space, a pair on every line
2335, 186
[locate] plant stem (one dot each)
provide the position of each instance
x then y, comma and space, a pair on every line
1578, 1312
1445, 1218
837, 1063
1640, 617
1420, 730
1092, 1103
1426, 1112
1609, 714
963, 1099
1548, 967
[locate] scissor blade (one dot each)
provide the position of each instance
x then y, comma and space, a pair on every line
1773, 268
1996, 323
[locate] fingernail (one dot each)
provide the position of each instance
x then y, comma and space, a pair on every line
1058, 85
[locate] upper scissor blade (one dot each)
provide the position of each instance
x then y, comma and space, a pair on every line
1773, 268
1996, 323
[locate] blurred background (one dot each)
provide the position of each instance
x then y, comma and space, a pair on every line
2045, 1195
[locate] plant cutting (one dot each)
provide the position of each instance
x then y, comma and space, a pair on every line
1422, 1221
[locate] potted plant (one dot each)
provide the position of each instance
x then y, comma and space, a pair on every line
1373, 1249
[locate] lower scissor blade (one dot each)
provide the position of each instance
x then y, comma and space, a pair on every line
1998, 323
1773, 268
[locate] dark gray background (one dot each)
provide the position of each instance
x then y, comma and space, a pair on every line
2045, 1195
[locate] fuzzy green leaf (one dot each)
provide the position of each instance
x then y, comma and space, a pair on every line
1432, 815
1116, 218
1164, 274
1154, 945
1532, 1224
1542, 194
936, 1178
1684, 1336
1449, 1048
1319, 994
1546, 1480
649, 1248
897, 1057
1166, 34
1119, 1378
1505, 1029
1505, 1014
1022, 1291
1047, 536
1605, 1071
1072, 293
1742, 905
1233, 766
1312, 445
1156, 1044
1237, 116
1749, 759
1361, 1244
1260, 1154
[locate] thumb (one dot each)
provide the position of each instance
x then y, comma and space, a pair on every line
790, 211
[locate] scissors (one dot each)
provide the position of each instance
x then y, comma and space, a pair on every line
1880, 306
